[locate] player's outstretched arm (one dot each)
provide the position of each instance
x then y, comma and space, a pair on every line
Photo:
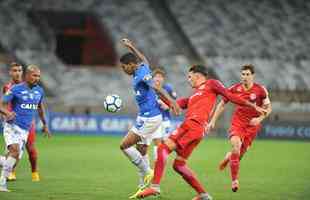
165, 97
129, 44
217, 113
41, 111
219, 88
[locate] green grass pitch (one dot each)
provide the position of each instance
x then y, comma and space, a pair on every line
93, 168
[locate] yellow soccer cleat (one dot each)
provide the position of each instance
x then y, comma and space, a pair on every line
148, 178
35, 176
135, 195
12, 176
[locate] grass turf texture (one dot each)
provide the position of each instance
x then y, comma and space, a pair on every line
93, 168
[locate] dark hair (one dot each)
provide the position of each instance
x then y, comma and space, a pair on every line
14, 64
248, 67
159, 70
129, 58
199, 69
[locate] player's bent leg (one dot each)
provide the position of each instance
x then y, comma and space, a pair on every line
235, 161
163, 151
189, 176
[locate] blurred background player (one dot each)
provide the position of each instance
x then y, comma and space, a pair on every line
16, 75
246, 121
149, 116
26, 99
190, 133
159, 77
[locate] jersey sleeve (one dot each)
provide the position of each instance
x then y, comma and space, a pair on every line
9, 95
265, 96
220, 89
182, 102
170, 91
230, 89
145, 75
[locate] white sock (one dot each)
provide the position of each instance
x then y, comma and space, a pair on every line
146, 160
141, 174
2, 159
155, 153
7, 169
136, 158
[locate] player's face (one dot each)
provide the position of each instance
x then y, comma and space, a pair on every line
247, 77
16, 73
33, 77
158, 79
192, 79
128, 68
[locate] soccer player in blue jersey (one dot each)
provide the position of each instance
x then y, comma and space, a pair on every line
159, 77
26, 99
149, 116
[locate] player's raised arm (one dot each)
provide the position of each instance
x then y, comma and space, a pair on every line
42, 115
129, 44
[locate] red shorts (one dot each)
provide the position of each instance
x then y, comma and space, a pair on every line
187, 136
246, 132
32, 134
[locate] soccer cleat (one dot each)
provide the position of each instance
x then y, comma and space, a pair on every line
12, 176
3, 188
135, 195
148, 178
223, 164
204, 197
148, 192
35, 176
235, 185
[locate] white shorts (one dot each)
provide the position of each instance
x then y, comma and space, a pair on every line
163, 131
13, 134
145, 128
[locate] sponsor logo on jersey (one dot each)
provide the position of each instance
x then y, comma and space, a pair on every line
147, 77
252, 96
29, 106
25, 97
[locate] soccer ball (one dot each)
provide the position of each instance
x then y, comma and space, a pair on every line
112, 103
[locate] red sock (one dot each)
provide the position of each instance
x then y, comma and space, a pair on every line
162, 154
234, 166
188, 175
33, 156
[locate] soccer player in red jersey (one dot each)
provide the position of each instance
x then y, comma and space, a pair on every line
246, 121
189, 134
16, 74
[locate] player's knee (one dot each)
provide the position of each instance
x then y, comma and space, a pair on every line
142, 148
14, 153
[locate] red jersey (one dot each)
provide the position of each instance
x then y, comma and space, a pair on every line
256, 94
201, 103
